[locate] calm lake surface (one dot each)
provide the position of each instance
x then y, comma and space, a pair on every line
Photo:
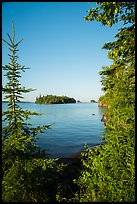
73, 125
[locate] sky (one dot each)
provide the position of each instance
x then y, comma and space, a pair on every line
63, 51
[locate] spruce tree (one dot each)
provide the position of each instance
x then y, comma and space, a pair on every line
20, 154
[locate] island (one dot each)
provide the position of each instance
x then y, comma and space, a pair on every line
53, 99
93, 101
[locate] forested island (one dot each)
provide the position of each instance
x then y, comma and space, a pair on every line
53, 99
105, 173
93, 101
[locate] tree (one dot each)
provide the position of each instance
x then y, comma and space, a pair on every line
93, 101
53, 99
109, 170
21, 157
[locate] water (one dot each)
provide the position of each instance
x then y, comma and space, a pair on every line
73, 125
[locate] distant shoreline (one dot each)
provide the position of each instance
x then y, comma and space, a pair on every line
50, 103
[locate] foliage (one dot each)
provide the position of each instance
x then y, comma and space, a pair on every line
109, 170
93, 101
22, 159
109, 13
53, 99
28, 174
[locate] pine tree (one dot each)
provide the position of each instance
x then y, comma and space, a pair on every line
20, 154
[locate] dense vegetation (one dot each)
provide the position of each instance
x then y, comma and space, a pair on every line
53, 99
23, 163
93, 101
78, 101
109, 170
28, 174
103, 174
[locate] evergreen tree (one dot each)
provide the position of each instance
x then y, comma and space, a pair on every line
53, 99
21, 157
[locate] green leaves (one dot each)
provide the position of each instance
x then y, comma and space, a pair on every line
7, 43
53, 99
108, 173
109, 13
20, 155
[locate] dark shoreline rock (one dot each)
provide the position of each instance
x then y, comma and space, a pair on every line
104, 118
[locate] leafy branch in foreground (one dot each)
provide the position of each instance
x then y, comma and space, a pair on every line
108, 173
21, 157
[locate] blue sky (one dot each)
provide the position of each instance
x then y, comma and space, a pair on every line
62, 50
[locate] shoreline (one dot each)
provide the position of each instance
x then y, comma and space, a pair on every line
78, 154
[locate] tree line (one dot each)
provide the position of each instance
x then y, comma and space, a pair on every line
108, 173
53, 99
105, 173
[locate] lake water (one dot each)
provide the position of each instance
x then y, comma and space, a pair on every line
73, 125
